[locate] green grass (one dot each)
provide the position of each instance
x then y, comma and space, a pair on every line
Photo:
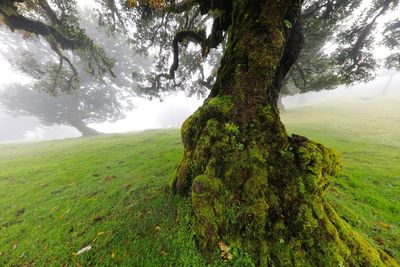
367, 134
110, 191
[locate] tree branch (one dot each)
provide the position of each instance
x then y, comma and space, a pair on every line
302, 75
57, 75
18, 22
310, 11
180, 7
196, 37
366, 31
49, 12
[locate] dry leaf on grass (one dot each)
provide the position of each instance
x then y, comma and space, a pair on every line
83, 250
225, 254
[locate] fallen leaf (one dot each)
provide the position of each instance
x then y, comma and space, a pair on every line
109, 177
225, 254
98, 234
222, 246
385, 225
379, 240
20, 212
98, 218
113, 254
83, 250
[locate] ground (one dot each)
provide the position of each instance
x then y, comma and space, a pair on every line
110, 192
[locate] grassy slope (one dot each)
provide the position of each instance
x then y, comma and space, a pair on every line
109, 191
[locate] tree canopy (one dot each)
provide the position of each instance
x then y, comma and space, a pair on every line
339, 36
49, 95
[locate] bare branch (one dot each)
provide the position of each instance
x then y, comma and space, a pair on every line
18, 22
57, 75
196, 37
108, 66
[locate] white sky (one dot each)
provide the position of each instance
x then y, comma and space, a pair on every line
8, 74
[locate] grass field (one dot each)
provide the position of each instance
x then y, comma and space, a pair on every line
109, 192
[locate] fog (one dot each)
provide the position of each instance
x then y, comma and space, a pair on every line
173, 110
155, 114
385, 85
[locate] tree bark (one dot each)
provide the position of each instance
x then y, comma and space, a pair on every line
84, 129
281, 106
250, 185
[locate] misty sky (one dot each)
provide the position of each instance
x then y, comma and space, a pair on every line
174, 109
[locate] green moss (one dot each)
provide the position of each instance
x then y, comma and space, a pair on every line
205, 191
268, 114
223, 104
231, 128
317, 162
234, 200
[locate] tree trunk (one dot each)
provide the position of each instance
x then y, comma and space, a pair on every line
84, 129
251, 186
281, 106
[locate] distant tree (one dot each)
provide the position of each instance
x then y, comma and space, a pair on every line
251, 185
50, 97
92, 105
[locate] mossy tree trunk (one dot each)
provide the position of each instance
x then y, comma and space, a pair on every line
251, 186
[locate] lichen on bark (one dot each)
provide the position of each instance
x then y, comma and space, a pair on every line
250, 184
